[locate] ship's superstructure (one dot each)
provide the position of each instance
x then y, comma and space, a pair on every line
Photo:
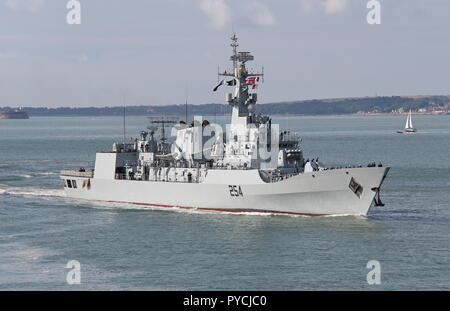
251, 165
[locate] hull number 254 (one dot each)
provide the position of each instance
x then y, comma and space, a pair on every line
235, 191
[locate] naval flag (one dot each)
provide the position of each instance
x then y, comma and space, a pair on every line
252, 80
217, 86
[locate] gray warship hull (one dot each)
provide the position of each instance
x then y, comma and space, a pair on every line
316, 193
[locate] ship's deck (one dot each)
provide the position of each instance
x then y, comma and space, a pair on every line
77, 174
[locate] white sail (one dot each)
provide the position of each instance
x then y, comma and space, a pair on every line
410, 120
408, 124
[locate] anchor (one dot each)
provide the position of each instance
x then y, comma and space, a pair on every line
377, 199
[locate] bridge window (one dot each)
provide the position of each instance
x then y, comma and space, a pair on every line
69, 183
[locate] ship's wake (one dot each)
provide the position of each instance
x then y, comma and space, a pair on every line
18, 177
134, 207
31, 191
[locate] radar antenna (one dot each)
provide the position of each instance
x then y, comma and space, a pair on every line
239, 60
161, 122
151, 130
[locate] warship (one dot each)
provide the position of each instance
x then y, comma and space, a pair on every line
252, 166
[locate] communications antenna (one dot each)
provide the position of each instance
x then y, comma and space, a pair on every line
161, 122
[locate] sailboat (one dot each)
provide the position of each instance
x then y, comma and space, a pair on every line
408, 126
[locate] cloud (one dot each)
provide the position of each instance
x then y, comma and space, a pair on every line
25, 5
8, 55
217, 11
83, 58
259, 13
307, 5
329, 6
335, 6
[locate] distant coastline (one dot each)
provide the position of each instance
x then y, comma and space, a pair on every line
359, 106
405, 113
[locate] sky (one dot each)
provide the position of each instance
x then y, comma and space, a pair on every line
160, 52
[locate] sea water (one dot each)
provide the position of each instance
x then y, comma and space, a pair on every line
122, 246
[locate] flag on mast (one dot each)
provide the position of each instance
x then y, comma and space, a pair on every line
250, 80
217, 86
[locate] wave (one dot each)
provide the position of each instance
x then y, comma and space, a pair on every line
44, 174
133, 207
357, 216
25, 176
31, 191
13, 177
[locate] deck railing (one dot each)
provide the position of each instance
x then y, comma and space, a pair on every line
77, 174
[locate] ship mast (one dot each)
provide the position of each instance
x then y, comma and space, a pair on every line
242, 101
234, 44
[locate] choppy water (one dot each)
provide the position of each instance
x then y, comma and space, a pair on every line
126, 247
